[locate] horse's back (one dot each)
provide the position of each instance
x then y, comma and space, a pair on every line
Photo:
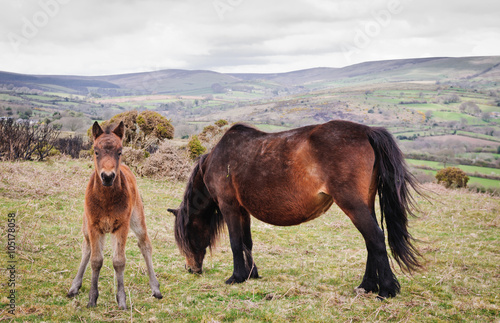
292, 171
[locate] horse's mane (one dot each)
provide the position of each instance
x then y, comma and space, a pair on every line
210, 212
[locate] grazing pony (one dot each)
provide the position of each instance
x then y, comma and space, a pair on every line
112, 205
290, 177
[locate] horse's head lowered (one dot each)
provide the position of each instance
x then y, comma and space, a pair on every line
198, 221
107, 152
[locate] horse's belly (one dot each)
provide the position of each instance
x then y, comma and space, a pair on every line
293, 211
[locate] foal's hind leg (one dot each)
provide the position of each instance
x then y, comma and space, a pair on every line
378, 270
138, 226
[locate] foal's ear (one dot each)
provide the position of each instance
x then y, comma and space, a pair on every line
120, 130
173, 211
96, 130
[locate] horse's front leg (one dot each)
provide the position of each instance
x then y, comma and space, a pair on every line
119, 241
96, 259
234, 220
248, 245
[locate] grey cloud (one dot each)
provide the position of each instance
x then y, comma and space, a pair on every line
99, 37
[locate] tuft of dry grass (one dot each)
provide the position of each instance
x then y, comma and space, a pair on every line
169, 163
24, 179
309, 272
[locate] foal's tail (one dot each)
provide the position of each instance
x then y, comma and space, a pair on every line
396, 202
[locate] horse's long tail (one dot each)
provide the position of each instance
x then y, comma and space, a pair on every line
396, 202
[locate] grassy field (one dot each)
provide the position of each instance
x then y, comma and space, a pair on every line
308, 272
471, 170
465, 168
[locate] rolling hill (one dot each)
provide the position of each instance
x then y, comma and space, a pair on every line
173, 81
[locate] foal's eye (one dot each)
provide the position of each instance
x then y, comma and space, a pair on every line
119, 153
96, 153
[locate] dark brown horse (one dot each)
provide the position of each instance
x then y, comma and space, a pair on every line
112, 205
291, 177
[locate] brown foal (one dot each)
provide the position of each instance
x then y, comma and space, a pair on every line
112, 205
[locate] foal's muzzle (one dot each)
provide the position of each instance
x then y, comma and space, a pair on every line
107, 179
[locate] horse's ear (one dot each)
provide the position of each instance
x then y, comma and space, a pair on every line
96, 130
120, 130
173, 211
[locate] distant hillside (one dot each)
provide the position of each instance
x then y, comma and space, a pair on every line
68, 84
443, 69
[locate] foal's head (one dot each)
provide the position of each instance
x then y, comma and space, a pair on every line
107, 152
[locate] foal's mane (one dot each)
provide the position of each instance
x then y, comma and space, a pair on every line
109, 128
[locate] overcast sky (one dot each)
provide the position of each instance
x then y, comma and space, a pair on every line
97, 37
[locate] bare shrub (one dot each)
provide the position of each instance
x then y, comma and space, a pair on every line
71, 146
169, 162
25, 141
211, 134
423, 176
133, 158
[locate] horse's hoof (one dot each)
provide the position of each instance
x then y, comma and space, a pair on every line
234, 280
385, 295
158, 295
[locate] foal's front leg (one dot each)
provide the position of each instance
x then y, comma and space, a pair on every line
119, 259
96, 247
77, 282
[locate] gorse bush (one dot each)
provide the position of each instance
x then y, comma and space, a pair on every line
452, 177
143, 129
221, 123
195, 147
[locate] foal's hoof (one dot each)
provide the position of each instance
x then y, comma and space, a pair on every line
90, 305
71, 294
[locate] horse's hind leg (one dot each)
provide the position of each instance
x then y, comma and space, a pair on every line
378, 270
77, 282
138, 226
238, 225
370, 278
